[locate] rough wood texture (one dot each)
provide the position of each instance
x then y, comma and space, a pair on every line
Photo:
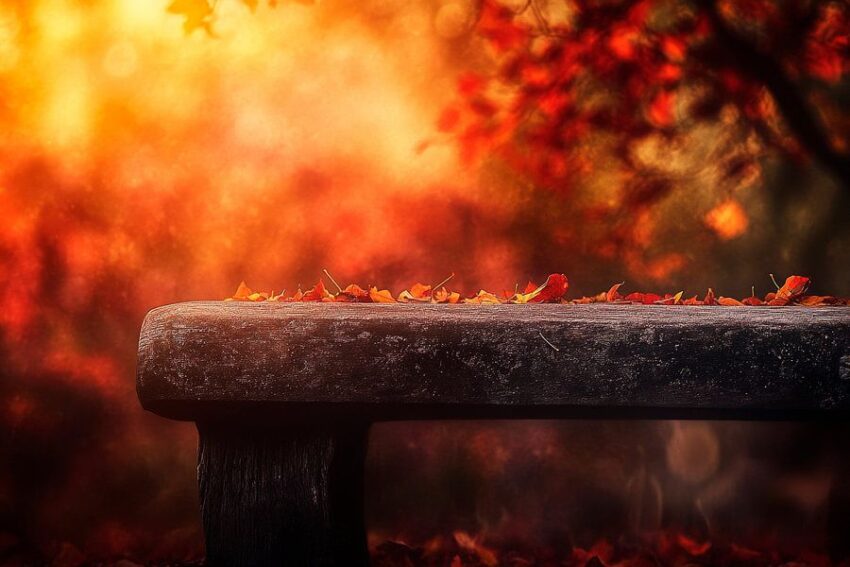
375, 362
283, 496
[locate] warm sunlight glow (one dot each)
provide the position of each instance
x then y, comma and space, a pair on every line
728, 220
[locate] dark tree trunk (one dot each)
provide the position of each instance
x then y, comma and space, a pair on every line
283, 495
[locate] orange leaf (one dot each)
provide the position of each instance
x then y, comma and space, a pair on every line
815, 300
353, 293
710, 298
645, 298
613, 294
793, 287
483, 297
729, 302
382, 296
442, 295
418, 292
297, 296
242, 292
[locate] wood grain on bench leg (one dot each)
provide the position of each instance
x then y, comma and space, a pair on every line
283, 496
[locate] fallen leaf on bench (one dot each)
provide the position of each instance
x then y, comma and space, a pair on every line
793, 287
318, 293
815, 300
483, 297
242, 292
443, 295
353, 293
382, 296
417, 292
554, 289
613, 294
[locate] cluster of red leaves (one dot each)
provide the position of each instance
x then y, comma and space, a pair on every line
553, 290
663, 548
569, 95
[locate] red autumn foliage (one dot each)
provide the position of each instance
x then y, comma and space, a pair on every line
631, 71
643, 45
554, 290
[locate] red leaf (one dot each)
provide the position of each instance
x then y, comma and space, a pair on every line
353, 293
318, 293
645, 298
554, 289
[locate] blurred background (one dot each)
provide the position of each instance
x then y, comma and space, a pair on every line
162, 151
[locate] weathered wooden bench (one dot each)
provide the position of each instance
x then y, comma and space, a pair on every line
284, 393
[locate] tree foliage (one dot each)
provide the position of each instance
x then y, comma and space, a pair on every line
572, 77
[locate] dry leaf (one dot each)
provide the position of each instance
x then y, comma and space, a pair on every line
382, 296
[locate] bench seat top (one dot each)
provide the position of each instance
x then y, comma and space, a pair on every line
205, 360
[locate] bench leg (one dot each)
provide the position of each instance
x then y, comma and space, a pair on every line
283, 496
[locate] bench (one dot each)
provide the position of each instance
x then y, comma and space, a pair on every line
283, 394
